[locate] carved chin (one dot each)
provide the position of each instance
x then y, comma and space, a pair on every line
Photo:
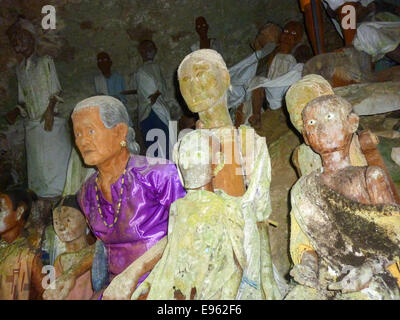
67, 237
89, 161
90, 158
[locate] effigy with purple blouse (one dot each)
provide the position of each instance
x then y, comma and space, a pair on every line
148, 190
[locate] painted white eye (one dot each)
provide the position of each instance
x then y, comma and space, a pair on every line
330, 116
294, 32
91, 131
286, 31
78, 134
311, 122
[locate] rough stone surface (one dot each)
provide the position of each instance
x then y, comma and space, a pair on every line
281, 143
372, 98
116, 26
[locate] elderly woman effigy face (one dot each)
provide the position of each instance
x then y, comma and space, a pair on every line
95, 141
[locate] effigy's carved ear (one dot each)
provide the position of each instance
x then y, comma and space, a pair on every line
20, 212
226, 77
121, 130
305, 138
354, 120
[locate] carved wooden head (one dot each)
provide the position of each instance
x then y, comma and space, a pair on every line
329, 124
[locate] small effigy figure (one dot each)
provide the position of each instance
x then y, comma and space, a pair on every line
204, 257
20, 263
70, 226
299, 94
215, 249
350, 225
363, 147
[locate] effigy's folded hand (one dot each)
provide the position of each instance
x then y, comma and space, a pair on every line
63, 286
255, 120
48, 118
356, 280
121, 287
306, 272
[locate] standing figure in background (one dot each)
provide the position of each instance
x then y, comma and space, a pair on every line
38, 90
20, 264
108, 83
204, 41
152, 99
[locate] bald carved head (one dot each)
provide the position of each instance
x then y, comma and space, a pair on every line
329, 123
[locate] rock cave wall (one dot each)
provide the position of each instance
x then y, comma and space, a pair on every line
86, 27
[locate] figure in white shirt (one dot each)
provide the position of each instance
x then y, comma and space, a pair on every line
150, 86
204, 41
47, 139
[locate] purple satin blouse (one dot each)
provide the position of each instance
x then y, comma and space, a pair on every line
149, 190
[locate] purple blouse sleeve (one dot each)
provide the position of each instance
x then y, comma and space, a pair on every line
168, 185
80, 196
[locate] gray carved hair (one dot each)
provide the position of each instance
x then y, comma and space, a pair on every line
112, 112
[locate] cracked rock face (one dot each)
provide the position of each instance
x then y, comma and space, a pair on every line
87, 27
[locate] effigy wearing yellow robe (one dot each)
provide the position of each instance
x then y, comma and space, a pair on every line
218, 245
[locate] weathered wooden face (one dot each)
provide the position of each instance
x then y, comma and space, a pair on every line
202, 83
69, 223
94, 140
147, 50
8, 216
328, 124
270, 33
104, 62
291, 35
201, 26
197, 157
23, 42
